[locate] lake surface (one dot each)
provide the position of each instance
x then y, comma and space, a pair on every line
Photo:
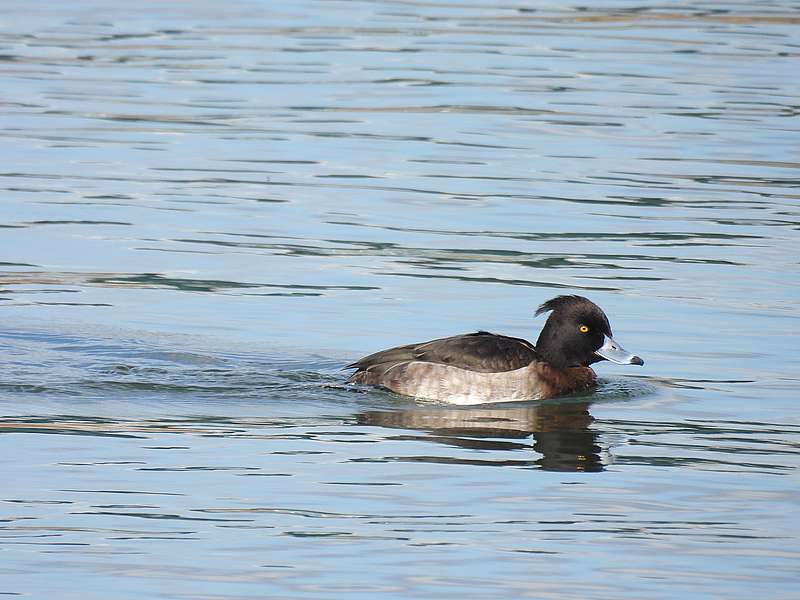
207, 209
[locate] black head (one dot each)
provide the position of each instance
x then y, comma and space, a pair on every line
574, 333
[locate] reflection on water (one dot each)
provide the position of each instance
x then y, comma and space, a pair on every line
560, 432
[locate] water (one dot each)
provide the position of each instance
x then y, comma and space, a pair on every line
208, 209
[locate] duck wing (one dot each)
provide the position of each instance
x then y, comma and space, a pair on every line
482, 351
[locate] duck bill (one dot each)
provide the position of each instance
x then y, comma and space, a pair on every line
611, 350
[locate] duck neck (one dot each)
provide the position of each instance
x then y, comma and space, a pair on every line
556, 381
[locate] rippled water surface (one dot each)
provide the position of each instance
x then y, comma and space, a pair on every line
207, 209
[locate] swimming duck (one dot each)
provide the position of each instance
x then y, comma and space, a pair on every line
486, 367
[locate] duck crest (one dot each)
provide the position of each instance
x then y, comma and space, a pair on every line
559, 302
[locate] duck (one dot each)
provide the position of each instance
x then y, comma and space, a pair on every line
484, 367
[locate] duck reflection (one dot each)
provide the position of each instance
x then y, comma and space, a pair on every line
560, 431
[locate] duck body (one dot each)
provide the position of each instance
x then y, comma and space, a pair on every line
474, 368
484, 367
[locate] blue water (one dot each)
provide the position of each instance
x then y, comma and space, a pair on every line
207, 209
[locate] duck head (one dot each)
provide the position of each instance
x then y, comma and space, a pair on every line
577, 333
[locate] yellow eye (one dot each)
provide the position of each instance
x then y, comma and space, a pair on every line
583, 329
